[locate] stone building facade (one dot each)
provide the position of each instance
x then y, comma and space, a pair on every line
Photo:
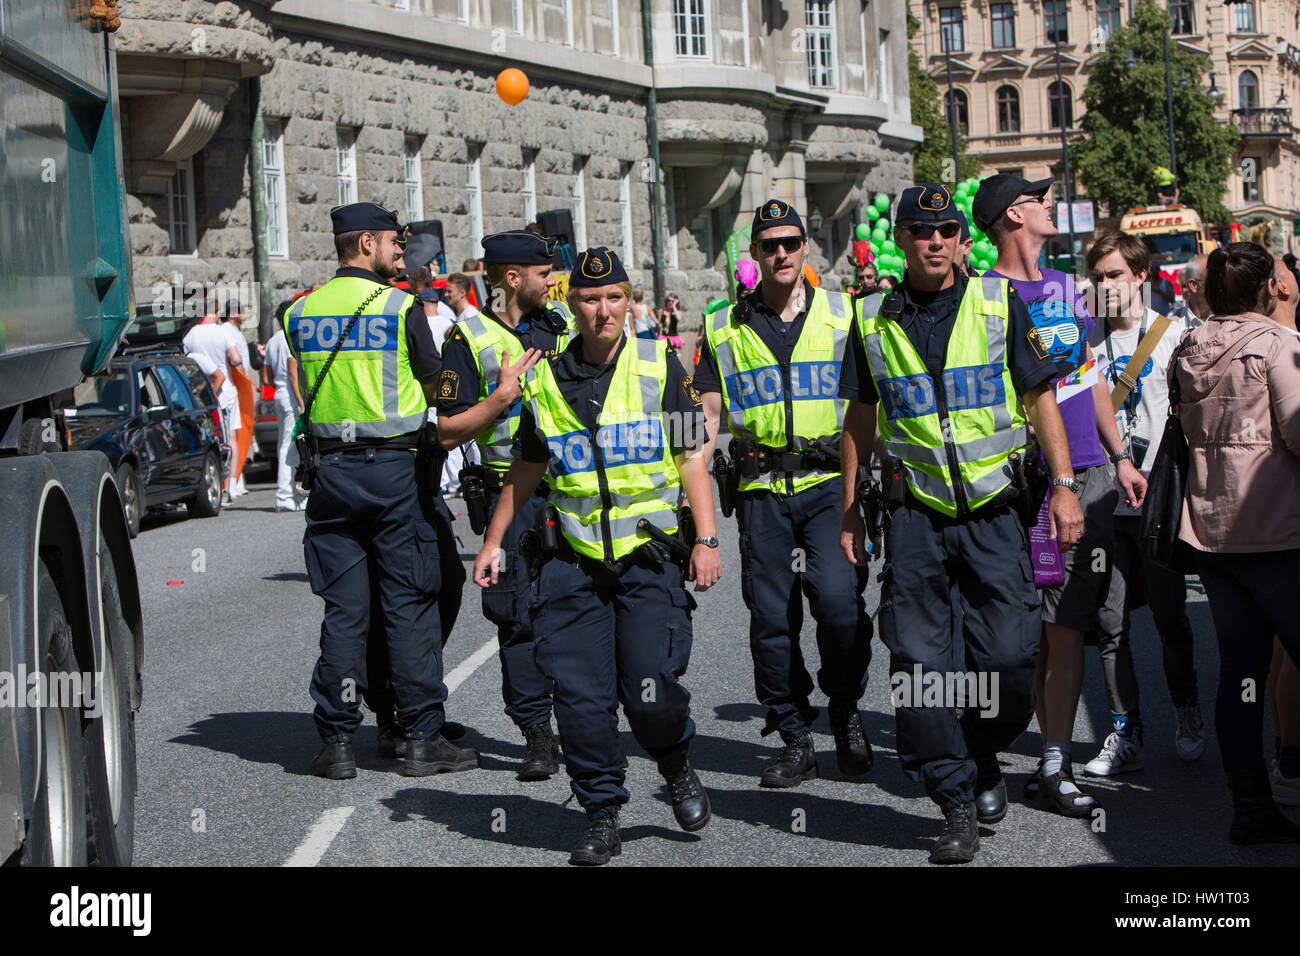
1004, 69
394, 101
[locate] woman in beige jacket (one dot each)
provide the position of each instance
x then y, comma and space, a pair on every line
1239, 377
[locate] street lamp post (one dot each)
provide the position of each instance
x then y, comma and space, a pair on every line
1065, 149
1169, 108
952, 113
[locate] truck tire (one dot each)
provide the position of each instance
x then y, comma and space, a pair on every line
206, 502
110, 738
128, 486
57, 833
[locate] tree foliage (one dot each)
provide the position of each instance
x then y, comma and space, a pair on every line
932, 161
1126, 126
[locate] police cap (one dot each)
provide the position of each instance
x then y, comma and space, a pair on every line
996, 194
596, 267
364, 216
771, 213
928, 202
517, 247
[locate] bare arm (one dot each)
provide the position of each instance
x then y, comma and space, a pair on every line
712, 402
521, 481
706, 563
856, 443
293, 381
1065, 515
217, 378
267, 378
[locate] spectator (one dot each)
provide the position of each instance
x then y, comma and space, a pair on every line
886, 283
457, 296
1196, 310
281, 371
1162, 289
440, 315
1117, 266
209, 339
472, 269
1239, 382
242, 375
669, 317
639, 316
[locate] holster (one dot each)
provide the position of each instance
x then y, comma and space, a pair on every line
872, 502
308, 460
476, 497
728, 482
1024, 503
893, 482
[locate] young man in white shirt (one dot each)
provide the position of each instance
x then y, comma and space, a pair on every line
211, 339
457, 296
1118, 267
233, 325
281, 370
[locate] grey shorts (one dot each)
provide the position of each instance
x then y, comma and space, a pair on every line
1080, 603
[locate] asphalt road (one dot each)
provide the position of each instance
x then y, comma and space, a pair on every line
225, 737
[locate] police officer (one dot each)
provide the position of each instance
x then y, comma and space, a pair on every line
937, 369
773, 362
478, 400
620, 428
371, 518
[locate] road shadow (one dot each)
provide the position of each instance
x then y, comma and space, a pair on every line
272, 737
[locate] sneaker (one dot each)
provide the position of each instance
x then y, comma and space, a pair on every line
1286, 790
1121, 753
1190, 738
225, 497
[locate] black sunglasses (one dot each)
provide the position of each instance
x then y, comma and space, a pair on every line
788, 243
924, 230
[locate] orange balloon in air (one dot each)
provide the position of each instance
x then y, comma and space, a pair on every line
512, 86
811, 275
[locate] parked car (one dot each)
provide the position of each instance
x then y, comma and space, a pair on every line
154, 415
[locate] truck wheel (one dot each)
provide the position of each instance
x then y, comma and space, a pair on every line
206, 502
128, 486
57, 834
110, 742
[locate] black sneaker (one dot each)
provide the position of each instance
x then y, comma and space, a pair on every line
599, 841
852, 749
960, 839
797, 763
425, 757
690, 799
542, 757
335, 762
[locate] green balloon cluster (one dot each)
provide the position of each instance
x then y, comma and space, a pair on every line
982, 253
889, 260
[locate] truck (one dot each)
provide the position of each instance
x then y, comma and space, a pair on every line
71, 632
1174, 234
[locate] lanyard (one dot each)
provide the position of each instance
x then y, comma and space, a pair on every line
1131, 402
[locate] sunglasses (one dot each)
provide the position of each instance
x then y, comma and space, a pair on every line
924, 230
1043, 198
788, 243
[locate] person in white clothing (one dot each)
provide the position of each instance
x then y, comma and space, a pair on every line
281, 370
442, 316
1117, 266
234, 328
457, 296
210, 339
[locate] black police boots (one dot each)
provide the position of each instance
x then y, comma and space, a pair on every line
1255, 817
990, 789
690, 799
542, 758
852, 749
598, 842
392, 742
797, 763
960, 838
425, 756
335, 762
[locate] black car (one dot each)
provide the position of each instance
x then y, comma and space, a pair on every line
154, 415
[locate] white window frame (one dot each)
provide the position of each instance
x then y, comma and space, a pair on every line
578, 206
882, 52
277, 206
625, 214
401, 4
568, 22
615, 46
413, 179
689, 16
345, 164
474, 192
529, 185
517, 10
744, 29
1236, 18
822, 75
182, 194
670, 208
462, 11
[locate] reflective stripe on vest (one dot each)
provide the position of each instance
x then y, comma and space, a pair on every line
753, 385
370, 391
984, 420
602, 484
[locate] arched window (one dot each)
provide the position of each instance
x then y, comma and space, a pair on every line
1248, 90
1060, 106
1008, 109
963, 111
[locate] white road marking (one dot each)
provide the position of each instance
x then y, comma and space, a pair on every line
330, 824
319, 837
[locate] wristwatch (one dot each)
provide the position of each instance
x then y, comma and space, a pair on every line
1071, 483
707, 542
1122, 456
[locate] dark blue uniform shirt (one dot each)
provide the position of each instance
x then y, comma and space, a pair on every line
458, 389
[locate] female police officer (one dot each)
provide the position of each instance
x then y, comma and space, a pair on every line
619, 426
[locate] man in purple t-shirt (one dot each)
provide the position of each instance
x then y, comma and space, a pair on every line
1017, 216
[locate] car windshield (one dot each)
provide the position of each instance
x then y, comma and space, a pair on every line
1176, 248
106, 394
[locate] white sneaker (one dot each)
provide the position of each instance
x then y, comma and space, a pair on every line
1286, 790
1190, 737
225, 497
1120, 753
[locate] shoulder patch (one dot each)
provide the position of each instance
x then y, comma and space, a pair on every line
688, 386
448, 385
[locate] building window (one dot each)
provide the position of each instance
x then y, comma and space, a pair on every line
277, 209
1180, 13
1003, 16
670, 209
614, 28
625, 214
1250, 179
412, 180
518, 16
1248, 90
1008, 109
180, 210
963, 111
1107, 19
474, 192
462, 11
568, 22
819, 20
345, 165
1245, 21
689, 33
950, 30
1060, 106
529, 185
1056, 20
882, 54
579, 205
